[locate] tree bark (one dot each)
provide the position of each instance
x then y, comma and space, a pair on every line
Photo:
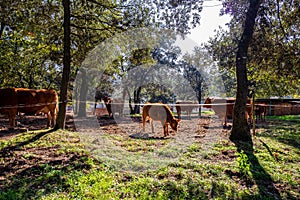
137, 100
240, 130
83, 94
199, 96
2, 28
61, 117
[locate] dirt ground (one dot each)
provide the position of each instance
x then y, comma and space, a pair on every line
29, 123
207, 130
196, 127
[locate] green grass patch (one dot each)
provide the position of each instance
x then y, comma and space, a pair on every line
208, 112
56, 165
285, 118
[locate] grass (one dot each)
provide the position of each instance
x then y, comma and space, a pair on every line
285, 118
56, 165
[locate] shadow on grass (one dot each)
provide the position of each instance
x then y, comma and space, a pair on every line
269, 150
9, 133
24, 143
33, 125
284, 132
38, 179
31, 173
263, 180
142, 136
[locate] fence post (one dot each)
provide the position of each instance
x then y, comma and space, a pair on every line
253, 114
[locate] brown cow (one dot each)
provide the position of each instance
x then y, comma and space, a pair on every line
9, 104
38, 101
114, 106
229, 107
226, 107
29, 101
260, 111
186, 107
230, 104
162, 113
221, 108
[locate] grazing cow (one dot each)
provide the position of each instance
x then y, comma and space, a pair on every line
260, 111
162, 113
186, 106
29, 101
226, 108
114, 106
9, 104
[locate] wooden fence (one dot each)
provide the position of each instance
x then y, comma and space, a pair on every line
280, 106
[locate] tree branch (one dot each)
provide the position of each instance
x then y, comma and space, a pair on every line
279, 20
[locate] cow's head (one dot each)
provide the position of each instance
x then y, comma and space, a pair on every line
174, 124
106, 100
208, 101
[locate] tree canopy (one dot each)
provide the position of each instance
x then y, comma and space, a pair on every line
31, 33
273, 57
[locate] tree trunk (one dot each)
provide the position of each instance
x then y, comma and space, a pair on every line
240, 130
75, 98
137, 100
2, 28
199, 96
126, 90
83, 94
61, 117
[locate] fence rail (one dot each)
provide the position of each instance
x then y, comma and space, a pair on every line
273, 106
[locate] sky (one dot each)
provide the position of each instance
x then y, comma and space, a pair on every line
209, 22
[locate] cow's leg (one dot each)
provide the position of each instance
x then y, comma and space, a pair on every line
48, 119
53, 118
152, 126
144, 122
179, 114
263, 115
165, 127
120, 113
95, 106
12, 119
